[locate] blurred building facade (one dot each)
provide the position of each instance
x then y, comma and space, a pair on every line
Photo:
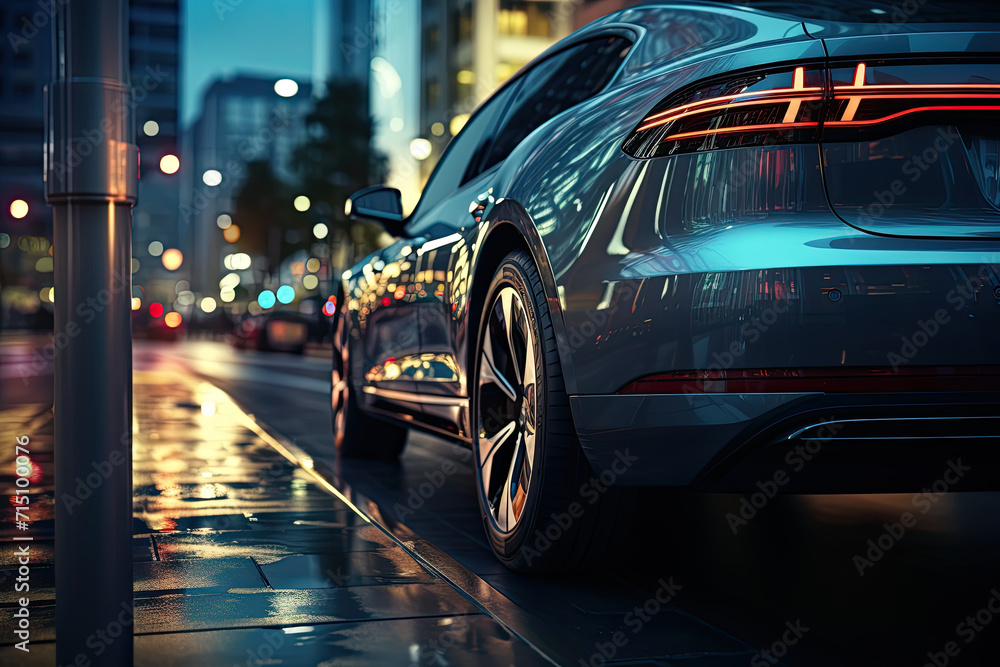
242, 119
154, 52
469, 48
25, 71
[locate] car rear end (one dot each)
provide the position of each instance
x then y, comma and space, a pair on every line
812, 282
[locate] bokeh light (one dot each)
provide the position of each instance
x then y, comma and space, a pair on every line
312, 266
231, 233
172, 319
155, 310
286, 87
211, 177
136, 303
151, 128
169, 164
320, 230
224, 221
208, 304
301, 203
266, 298
310, 282
420, 148
155, 248
286, 294
19, 208
172, 259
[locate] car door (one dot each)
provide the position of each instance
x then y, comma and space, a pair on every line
410, 367
432, 267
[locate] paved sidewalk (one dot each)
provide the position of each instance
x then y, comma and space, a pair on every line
241, 555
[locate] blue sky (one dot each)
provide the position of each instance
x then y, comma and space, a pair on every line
225, 37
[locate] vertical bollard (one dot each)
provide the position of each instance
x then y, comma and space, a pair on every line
91, 183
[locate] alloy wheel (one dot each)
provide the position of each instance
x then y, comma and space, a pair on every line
508, 414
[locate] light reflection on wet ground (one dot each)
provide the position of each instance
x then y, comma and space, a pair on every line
237, 550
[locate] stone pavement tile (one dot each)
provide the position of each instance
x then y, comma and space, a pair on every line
453, 640
337, 570
448, 640
196, 577
268, 545
176, 613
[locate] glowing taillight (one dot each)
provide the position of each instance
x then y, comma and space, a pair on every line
749, 111
782, 107
861, 105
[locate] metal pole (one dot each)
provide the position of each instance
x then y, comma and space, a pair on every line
91, 183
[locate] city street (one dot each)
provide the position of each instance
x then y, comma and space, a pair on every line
798, 580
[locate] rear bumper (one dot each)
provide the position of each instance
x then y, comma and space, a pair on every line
813, 442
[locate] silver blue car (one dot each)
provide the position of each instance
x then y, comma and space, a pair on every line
751, 249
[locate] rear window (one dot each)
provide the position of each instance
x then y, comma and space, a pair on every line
882, 11
913, 149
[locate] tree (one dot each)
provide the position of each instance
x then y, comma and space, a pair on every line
338, 159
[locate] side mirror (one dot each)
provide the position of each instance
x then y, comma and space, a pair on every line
380, 204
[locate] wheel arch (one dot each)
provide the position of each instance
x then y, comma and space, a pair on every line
509, 228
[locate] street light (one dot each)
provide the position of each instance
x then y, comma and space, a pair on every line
301, 203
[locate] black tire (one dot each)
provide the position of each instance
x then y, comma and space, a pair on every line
564, 522
356, 434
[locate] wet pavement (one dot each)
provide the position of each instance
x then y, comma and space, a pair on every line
241, 556
270, 544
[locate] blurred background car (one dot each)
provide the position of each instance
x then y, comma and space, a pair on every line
273, 332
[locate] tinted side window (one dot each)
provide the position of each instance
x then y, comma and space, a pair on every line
551, 87
469, 145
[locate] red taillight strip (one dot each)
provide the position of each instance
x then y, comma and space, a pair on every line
906, 112
792, 95
793, 107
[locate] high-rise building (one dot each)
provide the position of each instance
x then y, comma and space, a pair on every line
154, 52
242, 119
469, 48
